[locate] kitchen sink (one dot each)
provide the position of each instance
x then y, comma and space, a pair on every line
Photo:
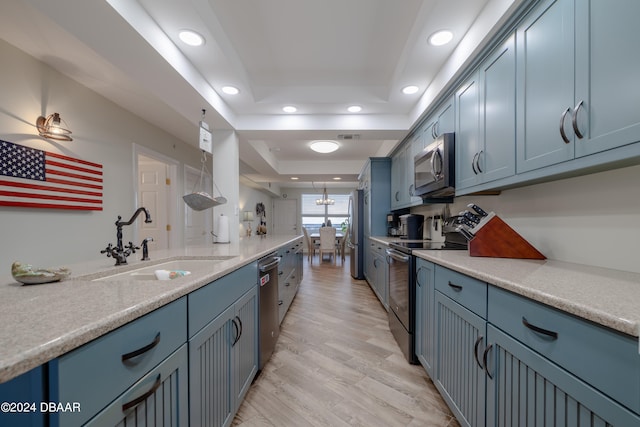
147, 272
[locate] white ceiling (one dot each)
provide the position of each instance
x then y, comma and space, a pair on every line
320, 56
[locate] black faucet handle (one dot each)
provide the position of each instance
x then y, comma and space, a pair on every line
132, 247
107, 250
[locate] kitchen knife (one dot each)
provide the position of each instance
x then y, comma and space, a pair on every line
466, 222
467, 234
475, 219
478, 209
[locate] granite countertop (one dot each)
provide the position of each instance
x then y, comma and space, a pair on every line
604, 296
42, 322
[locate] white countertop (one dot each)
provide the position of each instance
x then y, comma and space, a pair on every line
607, 297
42, 322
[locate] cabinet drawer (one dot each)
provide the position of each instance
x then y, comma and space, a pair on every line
166, 390
607, 360
95, 373
468, 292
209, 301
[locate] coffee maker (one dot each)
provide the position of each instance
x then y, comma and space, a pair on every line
393, 225
411, 226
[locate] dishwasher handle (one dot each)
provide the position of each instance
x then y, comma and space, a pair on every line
266, 267
398, 256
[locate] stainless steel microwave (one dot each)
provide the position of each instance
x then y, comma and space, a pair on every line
434, 168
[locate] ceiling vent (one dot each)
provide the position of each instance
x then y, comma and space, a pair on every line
349, 136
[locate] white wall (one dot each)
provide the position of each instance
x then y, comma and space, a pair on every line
593, 219
103, 133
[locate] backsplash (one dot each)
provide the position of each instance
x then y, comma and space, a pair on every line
592, 219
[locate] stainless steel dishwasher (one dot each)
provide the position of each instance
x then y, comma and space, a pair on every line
269, 324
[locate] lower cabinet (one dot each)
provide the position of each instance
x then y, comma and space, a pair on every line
525, 388
160, 398
460, 375
24, 394
377, 271
504, 360
223, 360
425, 318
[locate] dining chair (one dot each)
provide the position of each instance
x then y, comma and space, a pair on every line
312, 246
328, 242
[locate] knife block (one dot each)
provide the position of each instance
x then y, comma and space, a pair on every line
494, 238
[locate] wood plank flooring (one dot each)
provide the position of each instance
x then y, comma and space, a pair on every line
337, 364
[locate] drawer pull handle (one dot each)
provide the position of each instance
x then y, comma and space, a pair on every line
142, 350
484, 361
475, 351
138, 400
455, 287
551, 334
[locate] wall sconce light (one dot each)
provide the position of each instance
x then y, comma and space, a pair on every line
247, 217
51, 128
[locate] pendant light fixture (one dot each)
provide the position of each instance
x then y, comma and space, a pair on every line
325, 199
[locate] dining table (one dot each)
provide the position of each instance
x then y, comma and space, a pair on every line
339, 236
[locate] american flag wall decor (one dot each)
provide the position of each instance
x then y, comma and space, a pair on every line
34, 178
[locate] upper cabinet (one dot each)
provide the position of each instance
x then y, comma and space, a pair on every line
402, 166
575, 94
486, 120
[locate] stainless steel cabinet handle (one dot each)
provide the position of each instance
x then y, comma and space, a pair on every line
455, 287
574, 120
484, 361
562, 133
475, 351
473, 163
551, 334
142, 350
138, 400
238, 328
418, 277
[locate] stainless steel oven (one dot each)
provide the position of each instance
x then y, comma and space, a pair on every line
402, 300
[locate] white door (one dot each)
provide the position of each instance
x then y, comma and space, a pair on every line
152, 194
197, 224
285, 216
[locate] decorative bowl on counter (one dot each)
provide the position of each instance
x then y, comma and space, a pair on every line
26, 274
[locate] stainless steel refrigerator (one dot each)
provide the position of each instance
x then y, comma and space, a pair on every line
355, 234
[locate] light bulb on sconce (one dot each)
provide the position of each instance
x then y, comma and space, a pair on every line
50, 127
247, 217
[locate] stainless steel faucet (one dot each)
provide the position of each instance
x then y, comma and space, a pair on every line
120, 252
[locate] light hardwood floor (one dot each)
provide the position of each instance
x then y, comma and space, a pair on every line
337, 364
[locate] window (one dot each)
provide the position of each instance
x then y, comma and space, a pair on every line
313, 216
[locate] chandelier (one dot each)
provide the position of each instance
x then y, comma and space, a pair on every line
325, 199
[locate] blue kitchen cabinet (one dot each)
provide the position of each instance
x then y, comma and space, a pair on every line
108, 367
575, 96
399, 186
486, 120
377, 195
545, 85
460, 312
377, 271
29, 389
160, 398
442, 121
425, 315
288, 276
223, 360
416, 146
467, 140
525, 388
607, 64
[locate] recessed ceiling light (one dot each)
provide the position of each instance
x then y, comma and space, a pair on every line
289, 109
440, 38
191, 38
324, 147
231, 90
294, 178
409, 90
354, 109
337, 178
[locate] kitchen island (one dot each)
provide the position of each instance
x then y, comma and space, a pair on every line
42, 322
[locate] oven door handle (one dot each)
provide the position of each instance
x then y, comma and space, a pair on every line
397, 255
